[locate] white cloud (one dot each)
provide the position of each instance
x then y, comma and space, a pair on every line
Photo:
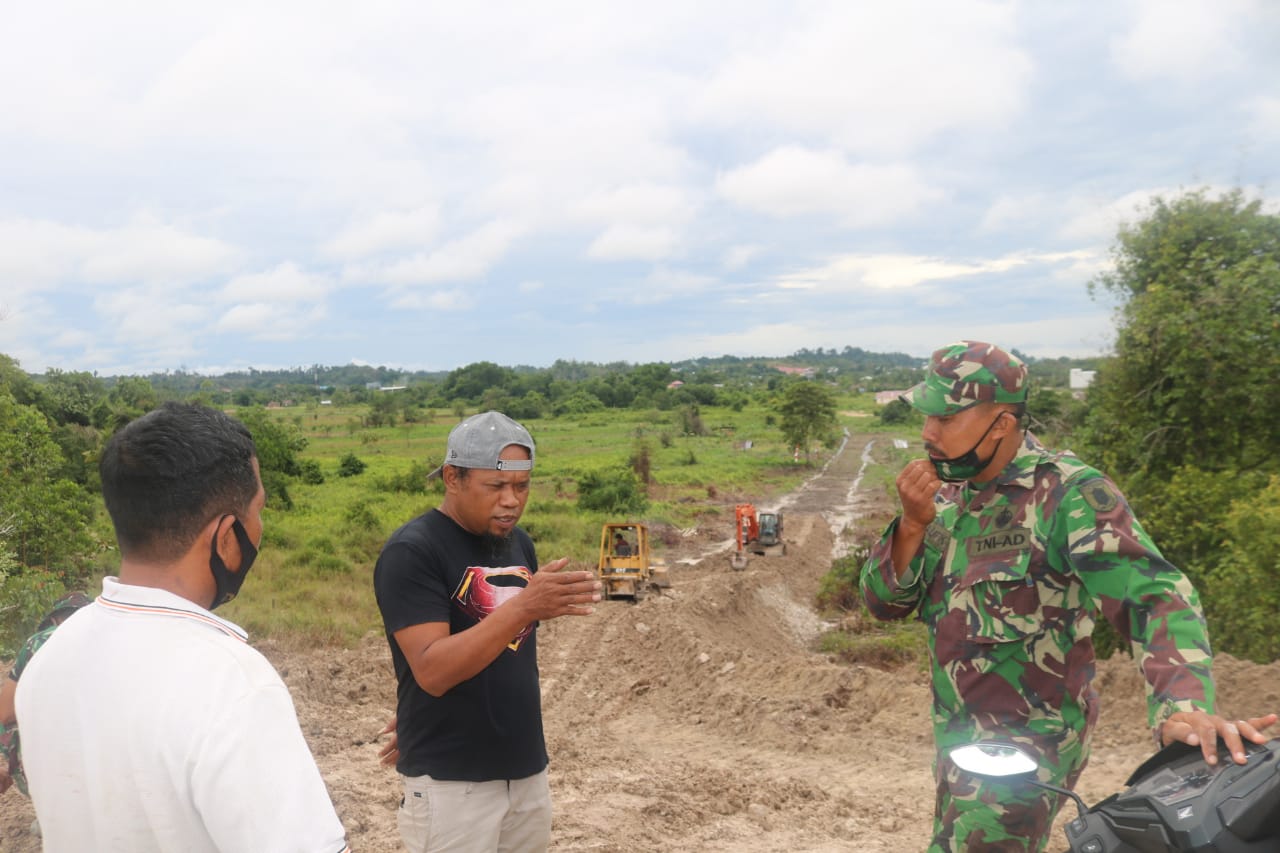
664, 284
737, 257
285, 283
159, 324
243, 169
1264, 115
1017, 211
1098, 222
464, 259
268, 321
450, 299
794, 181
643, 221
1186, 40
898, 272
1085, 219
633, 242
411, 229
874, 77
777, 338
40, 253
282, 303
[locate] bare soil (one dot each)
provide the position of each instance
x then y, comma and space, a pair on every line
702, 718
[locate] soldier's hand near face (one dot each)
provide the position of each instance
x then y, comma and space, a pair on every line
917, 484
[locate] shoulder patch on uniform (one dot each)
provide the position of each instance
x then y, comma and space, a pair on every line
937, 536
1100, 495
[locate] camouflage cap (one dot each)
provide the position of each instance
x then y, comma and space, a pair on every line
966, 373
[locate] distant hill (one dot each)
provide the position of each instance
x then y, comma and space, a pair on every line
874, 370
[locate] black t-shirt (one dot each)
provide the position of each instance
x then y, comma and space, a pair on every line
489, 726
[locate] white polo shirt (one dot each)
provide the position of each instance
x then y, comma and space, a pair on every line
149, 724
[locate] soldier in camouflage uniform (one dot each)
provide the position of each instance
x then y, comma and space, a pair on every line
1006, 551
10, 752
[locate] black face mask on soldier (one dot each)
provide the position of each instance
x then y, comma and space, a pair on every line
229, 582
967, 465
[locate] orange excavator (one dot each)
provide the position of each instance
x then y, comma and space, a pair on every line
756, 533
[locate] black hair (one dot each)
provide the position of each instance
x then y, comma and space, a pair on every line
166, 474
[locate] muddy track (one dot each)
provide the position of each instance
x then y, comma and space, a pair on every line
702, 718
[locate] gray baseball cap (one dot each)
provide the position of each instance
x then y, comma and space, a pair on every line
480, 439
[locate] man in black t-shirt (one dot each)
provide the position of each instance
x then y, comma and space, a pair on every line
461, 595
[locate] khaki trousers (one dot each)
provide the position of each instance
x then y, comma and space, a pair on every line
504, 816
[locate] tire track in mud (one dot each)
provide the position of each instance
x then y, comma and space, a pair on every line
702, 719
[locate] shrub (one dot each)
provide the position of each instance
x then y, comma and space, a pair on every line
640, 462
27, 594
616, 491
310, 472
350, 465
838, 589
361, 517
412, 482
277, 485
1242, 593
895, 412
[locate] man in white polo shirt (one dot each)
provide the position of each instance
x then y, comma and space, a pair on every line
148, 723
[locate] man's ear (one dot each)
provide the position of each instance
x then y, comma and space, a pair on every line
1008, 425
220, 529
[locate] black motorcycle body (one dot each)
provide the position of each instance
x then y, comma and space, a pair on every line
1176, 802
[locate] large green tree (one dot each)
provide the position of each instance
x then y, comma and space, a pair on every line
808, 412
43, 515
1197, 352
1185, 416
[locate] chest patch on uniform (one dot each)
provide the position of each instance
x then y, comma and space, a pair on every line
1099, 495
998, 541
937, 536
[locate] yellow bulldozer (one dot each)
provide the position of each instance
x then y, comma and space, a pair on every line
626, 570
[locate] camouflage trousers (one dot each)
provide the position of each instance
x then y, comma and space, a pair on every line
10, 757
975, 815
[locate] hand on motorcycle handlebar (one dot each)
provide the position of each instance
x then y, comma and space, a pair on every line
1200, 729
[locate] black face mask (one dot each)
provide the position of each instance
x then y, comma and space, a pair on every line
967, 465
228, 582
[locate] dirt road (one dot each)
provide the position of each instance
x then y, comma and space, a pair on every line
702, 719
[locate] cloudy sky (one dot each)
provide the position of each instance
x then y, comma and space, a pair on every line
423, 185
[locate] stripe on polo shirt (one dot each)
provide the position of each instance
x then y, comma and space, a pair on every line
160, 610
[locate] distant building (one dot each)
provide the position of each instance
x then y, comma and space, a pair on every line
1078, 380
884, 398
392, 387
676, 384
806, 372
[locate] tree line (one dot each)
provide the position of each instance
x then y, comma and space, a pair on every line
1183, 414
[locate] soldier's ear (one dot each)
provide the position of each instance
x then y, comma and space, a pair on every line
1008, 425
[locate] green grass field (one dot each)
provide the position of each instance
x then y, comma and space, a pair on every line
313, 580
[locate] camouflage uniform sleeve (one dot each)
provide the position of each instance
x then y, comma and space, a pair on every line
1148, 600
888, 596
29, 648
